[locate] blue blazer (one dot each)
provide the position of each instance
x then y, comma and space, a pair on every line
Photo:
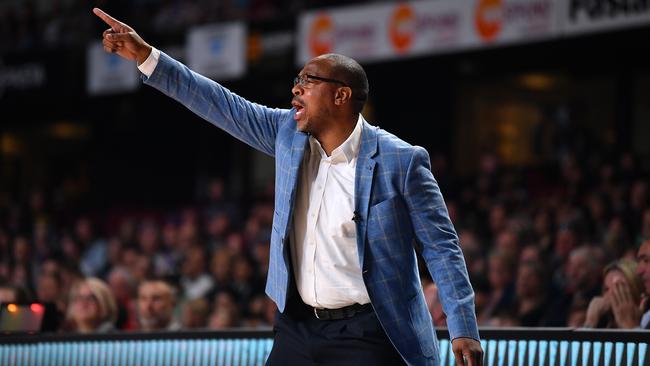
396, 197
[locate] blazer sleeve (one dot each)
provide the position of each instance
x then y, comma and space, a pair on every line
440, 249
251, 123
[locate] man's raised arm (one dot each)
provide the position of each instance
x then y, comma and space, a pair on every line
122, 39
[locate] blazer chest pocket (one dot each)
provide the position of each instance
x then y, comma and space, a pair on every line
388, 219
384, 208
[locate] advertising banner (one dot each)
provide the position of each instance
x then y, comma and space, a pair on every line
108, 73
217, 50
380, 32
387, 31
510, 21
26, 76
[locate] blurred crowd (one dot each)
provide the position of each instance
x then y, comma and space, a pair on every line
197, 266
557, 245
554, 245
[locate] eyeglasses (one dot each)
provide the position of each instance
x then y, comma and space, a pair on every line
85, 298
304, 80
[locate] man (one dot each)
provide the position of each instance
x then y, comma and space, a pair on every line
156, 303
351, 201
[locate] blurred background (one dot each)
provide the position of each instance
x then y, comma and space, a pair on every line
535, 114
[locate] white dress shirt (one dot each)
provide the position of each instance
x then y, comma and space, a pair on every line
324, 236
150, 63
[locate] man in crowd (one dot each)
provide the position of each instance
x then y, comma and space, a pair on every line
156, 303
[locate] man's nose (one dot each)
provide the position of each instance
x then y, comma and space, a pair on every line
296, 90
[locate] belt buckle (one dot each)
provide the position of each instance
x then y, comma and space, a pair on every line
316, 313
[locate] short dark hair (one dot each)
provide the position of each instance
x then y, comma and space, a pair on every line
169, 282
352, 73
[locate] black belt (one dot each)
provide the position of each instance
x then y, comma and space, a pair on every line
341, 313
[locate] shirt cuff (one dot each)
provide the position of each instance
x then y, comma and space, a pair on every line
150, 63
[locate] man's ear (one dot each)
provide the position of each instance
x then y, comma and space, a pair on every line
343, 95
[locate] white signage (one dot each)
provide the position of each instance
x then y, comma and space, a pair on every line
510, 21
218, 50
108, 73
21, 77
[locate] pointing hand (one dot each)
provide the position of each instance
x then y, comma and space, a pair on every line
122, 39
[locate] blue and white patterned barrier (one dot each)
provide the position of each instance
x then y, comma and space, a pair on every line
503, 347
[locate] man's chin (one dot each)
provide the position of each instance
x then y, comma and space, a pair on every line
150, 323
303, 126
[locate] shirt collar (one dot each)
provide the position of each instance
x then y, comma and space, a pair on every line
347, 151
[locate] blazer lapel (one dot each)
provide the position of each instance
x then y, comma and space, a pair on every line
363, 183
297, 152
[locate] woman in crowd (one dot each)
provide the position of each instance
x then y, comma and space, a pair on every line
621, 286
91, 307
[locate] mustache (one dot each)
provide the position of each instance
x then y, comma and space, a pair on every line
298, 100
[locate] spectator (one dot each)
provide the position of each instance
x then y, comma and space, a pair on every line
501, 269
10, 293
256, 312
114, 252
217, 228
172, 253
244, 282
578, 283
71, 249
149, 242
223, 319
531, 253
434, 305
218, 202
481, 288
124, 286
195, 313
225, 312
91, 307
543, 228
620, 304
532, 294
508, 242
70, 275
577, 315
503, 318
21, 270
94, 258
49, 288
156, 303
195, 281
261, 255
221, 265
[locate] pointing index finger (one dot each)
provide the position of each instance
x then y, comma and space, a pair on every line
106, 18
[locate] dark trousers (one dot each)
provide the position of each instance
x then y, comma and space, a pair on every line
301, 339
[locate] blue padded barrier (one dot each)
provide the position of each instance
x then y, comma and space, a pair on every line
502, 346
